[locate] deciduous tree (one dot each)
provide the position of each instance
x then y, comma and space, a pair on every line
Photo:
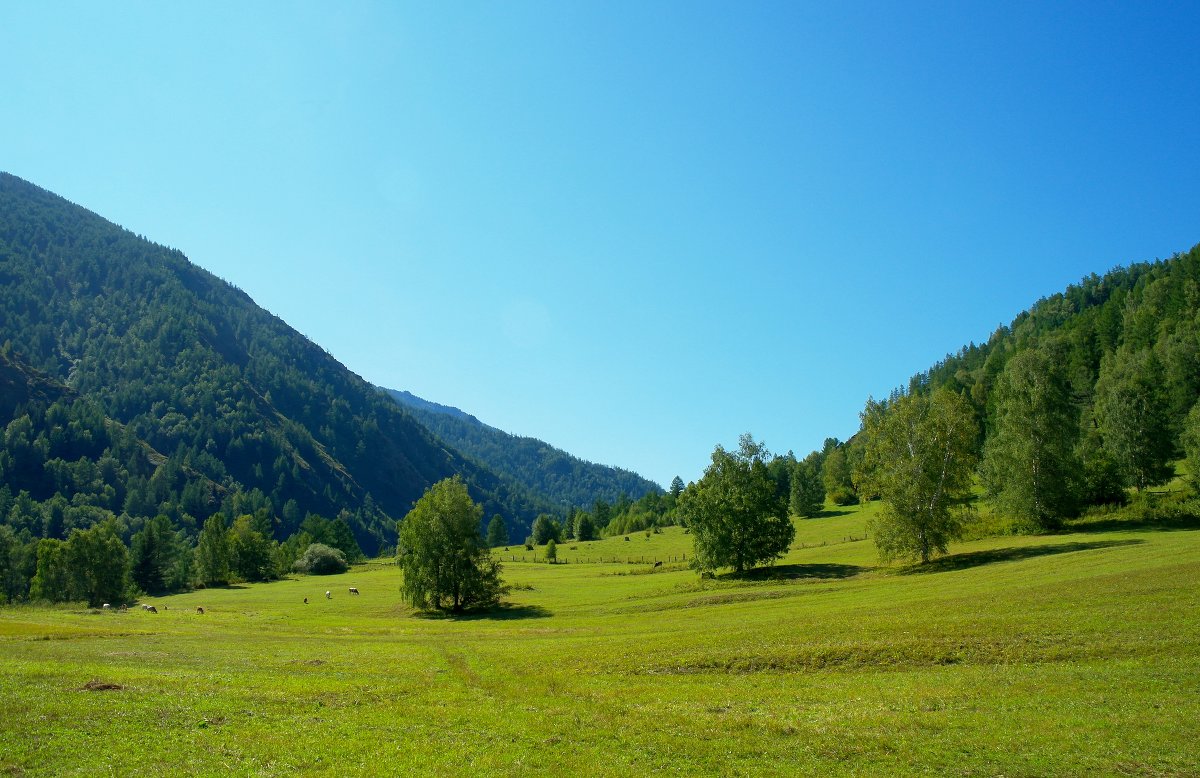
1191, 443
1029, 464
585, 528
545, 529
446, 565
919, 459
212, 552
99, 563
1131, 408
497, 533
808, 489
251, 554
736, 516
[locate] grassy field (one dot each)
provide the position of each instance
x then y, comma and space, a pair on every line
1077, 653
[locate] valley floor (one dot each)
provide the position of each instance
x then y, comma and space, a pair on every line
1061, 655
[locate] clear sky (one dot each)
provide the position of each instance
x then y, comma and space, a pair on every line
632, 229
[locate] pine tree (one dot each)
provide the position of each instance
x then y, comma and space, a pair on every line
153, 555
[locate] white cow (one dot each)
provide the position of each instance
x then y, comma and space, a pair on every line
329, 595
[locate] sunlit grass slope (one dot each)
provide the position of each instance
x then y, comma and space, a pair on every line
1060, 655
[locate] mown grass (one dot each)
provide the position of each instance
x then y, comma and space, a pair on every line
1077, 653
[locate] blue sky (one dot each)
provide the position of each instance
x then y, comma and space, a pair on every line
632, 229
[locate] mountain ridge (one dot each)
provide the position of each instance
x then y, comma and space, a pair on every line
539, 466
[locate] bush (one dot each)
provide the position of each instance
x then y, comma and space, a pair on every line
320, 559
843, 496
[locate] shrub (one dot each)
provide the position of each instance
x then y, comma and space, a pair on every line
843, 496
320, 559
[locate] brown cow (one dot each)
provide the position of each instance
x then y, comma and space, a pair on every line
199, 610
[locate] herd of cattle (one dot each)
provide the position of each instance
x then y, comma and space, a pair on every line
200, 610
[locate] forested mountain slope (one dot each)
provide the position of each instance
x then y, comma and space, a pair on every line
540, 467
1150, 308
1091, 395
190, 365
1086, 396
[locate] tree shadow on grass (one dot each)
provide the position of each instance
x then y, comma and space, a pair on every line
796, 572
835, 512
978, 558
1158, 524
502, 612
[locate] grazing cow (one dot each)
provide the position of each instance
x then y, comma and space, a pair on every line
329, 595
306, 601
658, 564
151, 609
354, 590
145, 607
200, 610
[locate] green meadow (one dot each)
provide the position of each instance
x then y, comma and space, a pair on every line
1075, 653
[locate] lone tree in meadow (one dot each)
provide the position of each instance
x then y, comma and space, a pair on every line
445, 562
736, 515
919, 459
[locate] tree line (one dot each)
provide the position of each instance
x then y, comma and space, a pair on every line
112, 562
